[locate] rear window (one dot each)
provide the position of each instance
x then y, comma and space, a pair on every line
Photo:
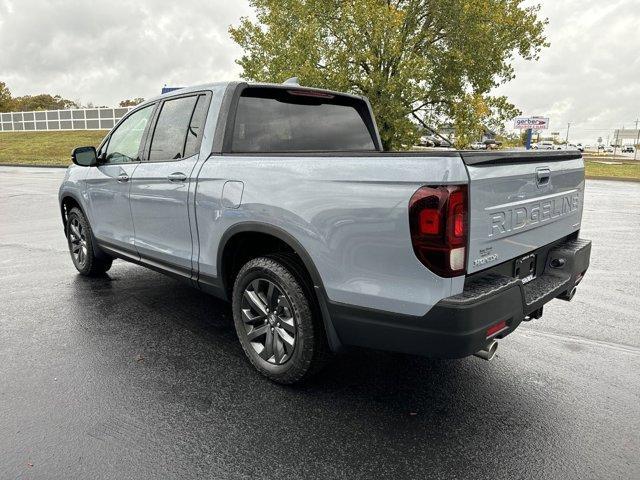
278, 120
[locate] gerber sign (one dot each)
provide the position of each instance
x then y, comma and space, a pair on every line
533, 123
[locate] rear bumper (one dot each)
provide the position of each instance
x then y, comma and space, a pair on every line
456, 326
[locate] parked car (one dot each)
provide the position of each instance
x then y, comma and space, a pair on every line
609, 149
279, 199
478, 146
427, 141
628, 149
574, 146
546, 145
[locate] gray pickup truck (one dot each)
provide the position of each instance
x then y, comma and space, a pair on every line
280, 199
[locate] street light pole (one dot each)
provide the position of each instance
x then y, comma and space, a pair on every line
635, 147
566, 140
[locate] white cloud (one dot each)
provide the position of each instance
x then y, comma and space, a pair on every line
590, 76
104, 52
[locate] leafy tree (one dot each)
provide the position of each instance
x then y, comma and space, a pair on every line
420, 62
131, 102
6, 100
44, 101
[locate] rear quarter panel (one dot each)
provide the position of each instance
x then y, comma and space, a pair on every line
350, 214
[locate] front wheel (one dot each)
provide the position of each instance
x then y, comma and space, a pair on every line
275, 321
81, 246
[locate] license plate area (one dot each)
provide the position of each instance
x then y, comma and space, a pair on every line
525, 268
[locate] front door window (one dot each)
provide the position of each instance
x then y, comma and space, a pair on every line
124, 144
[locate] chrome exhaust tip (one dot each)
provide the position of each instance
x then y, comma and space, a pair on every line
568, 295
488, 352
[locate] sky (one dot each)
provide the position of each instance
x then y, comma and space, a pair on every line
104, 52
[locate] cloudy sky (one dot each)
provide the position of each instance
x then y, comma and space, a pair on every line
103, 52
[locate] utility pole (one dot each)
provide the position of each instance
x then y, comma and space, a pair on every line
615, 147
566, 141
635, 146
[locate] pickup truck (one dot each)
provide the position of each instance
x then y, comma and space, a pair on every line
280, 199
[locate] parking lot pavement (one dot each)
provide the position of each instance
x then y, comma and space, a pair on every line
137, 376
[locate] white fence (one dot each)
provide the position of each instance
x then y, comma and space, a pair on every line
51, 120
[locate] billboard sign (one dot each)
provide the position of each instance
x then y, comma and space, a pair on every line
534, 123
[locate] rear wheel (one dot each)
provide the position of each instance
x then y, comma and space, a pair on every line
81, 246
275, 321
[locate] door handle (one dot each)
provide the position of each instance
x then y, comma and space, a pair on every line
123, 177
177, 177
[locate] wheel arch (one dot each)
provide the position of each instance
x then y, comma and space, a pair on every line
238, 230
67, 202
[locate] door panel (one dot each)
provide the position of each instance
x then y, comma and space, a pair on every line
108, 184
160, 186
107, 190
159, 196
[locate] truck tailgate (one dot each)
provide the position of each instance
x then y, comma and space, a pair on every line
520, 201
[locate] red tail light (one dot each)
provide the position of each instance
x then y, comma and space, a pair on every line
438, 222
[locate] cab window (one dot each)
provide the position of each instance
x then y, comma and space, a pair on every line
174, 130
124, 143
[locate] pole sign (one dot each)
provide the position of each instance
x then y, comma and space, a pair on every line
166, 89
533, 123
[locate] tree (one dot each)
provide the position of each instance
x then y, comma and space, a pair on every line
420, 62
6, 100
44, 101
131, 103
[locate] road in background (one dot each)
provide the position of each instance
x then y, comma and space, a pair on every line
138, 376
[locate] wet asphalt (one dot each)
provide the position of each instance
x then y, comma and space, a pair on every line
137, 376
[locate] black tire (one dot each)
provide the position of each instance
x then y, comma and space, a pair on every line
81, 248
291, 314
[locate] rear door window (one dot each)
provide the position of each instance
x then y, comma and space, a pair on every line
196, 126
278, 120
170, 133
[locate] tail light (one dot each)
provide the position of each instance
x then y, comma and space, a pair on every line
438, 222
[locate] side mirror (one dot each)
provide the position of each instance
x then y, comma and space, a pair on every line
84, 156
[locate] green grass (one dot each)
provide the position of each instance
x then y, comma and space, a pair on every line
622, 170
45, 148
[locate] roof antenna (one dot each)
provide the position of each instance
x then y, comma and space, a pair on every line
292, 81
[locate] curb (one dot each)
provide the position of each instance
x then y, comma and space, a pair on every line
615, 179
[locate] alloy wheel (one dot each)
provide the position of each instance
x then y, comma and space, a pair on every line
77, 242
269, 321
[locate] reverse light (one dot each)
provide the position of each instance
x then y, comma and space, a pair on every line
438, 223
